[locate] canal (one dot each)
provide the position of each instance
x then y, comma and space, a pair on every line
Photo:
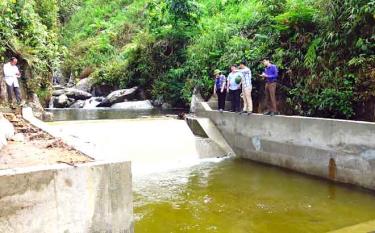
176, 191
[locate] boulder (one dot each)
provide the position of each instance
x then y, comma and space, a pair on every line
158, 102
6, 132
77, 94
84, 85
134, 105
58, 87
47, 116
102, 89
119, 96
61, 101
91, 103
58, 92
78, 104
166, 106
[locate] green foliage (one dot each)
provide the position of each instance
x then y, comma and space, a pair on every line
28, 30
171, 46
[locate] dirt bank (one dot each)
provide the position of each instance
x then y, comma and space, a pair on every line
31, 147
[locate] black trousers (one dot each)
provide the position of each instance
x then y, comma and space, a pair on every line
221, 99
235, 96
17, 93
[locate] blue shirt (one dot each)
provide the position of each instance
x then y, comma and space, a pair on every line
219, 82
272, 73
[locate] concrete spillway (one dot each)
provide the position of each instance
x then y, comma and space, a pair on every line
151, 144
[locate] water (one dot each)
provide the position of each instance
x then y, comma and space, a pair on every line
106, 113
176, 191
238, 196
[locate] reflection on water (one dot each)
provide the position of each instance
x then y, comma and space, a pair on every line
237, 196
106, 113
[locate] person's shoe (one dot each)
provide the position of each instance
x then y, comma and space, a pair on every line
276, 113
243, 112
221, 110
272, 114
249, 113
267, 113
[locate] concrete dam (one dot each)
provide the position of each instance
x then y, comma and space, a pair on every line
214, 172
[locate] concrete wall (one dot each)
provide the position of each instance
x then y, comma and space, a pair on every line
335, 149
93, 197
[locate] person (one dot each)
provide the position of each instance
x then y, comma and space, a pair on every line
11, 75
271, 74
246, 88
233, 88
220, 90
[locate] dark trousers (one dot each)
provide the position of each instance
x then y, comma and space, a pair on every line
235, 96
17, 93
221, 99
270, 90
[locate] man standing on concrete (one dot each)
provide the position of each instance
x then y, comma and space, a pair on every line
246, 88
219, 89
271, 74
11, 75
233, 87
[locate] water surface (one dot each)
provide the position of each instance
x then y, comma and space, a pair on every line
238, 196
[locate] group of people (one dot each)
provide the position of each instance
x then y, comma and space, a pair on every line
239, 83
11, 76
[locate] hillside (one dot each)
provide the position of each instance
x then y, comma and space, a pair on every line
325, 49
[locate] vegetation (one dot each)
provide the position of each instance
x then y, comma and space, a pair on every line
324, 48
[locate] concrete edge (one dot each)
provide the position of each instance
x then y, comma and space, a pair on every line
53, 167
206, 107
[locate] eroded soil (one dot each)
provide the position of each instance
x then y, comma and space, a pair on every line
35, 147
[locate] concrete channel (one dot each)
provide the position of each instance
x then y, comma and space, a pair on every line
75, 199
338, 150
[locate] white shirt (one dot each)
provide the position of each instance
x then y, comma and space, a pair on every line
11, 74
246, 77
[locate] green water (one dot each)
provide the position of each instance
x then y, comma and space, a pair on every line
238, 196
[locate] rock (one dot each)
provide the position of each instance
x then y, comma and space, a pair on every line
158, 102
58, 92
91, 103
77, 94
19, 137
134, 105
84, 85
99, 99
6, 132
118, 97
57, 87
7, 129
102, 90
166, 106
61, 101
78, 104
47, 116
